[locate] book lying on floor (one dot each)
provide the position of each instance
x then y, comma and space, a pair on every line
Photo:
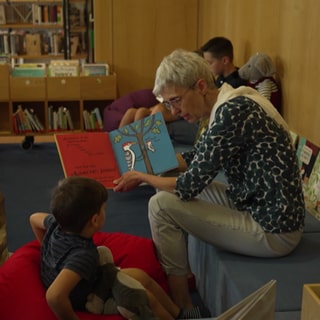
143, 145
259, 305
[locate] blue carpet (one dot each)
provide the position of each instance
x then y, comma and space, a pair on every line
26, 181
27, 178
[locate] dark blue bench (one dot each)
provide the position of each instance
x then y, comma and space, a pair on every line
225, 278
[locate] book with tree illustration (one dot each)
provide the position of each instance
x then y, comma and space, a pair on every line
143, 145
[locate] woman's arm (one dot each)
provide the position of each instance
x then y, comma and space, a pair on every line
132, 179
57, 295
37, 224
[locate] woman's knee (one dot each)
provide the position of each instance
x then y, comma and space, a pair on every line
159, 202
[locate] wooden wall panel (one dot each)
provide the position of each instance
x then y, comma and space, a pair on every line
288, 31
103, 31
133, 36
144, 31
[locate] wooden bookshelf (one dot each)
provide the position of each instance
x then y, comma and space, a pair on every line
37, 94
44, 22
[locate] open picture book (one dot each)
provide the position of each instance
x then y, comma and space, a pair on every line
143, 145
259, 305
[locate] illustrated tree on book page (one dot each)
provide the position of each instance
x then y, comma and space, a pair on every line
143, 145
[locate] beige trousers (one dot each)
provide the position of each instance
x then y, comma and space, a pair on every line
212, 218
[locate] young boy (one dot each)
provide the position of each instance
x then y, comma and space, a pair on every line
69, 257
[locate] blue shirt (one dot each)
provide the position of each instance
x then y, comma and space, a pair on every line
62, 250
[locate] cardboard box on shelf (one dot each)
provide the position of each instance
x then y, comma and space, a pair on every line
33, 44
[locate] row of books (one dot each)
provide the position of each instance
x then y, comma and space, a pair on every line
59, 68
26, 120
42, 13
21, 42
59, 119
308, 155
92, 120
53, 13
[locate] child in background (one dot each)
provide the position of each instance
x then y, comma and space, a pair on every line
134, 114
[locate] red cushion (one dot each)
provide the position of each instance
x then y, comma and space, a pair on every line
22, 295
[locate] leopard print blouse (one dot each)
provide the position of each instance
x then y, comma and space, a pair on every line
258, 159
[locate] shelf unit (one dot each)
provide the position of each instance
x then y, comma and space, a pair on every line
77, 94
5, 105
44, 29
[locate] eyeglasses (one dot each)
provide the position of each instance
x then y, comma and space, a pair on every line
176, 101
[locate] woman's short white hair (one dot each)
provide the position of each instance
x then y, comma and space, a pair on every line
182, 68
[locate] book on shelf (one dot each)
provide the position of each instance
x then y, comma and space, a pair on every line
17, 42
77, 14
60, 119
33, 43
92, 119
47, 13
143, 145
29, 70
25, 120
20, 42
2, 14
74, 41
311, 190
95, 69
63, 68
34, 120
4, 42
260, 305
4, 59
55, 40
307, 153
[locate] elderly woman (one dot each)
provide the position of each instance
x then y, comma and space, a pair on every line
260, 212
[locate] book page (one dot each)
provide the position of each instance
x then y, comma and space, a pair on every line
144, 145
88, 154
260, 305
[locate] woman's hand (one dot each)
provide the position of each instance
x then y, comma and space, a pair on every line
128, 181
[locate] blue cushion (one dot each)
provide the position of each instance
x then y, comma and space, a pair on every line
289, 315
311, 224
225, 278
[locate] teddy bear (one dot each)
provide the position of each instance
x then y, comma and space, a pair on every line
259, 71
116, 292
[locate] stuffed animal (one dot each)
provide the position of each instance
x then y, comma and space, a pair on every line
116, 292
259, 71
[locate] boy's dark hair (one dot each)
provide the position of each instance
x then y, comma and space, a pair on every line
219, 47
75, 200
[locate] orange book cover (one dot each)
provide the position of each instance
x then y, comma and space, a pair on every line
89, 155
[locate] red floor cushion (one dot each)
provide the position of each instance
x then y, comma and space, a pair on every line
22, 295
